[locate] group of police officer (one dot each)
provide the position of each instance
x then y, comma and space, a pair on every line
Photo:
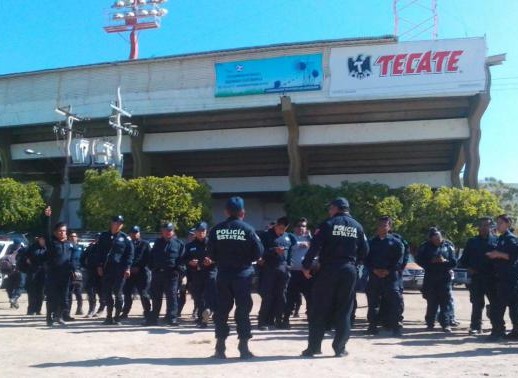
322, 268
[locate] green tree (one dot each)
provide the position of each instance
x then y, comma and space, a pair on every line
506, 194
146, 201
21, 205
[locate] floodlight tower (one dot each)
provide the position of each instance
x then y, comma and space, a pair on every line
115, 122
413, 18
135, 15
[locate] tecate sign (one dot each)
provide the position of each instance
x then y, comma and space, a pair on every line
409, 69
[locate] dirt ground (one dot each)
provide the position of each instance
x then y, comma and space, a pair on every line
86, 348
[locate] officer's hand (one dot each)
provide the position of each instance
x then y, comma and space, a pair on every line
279, 250
127, 273
307, 273
48, 211
207, 261
193, 263
100, 271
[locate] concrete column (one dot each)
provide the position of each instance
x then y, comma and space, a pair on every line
297, 173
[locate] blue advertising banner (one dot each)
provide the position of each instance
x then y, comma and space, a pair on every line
273, 75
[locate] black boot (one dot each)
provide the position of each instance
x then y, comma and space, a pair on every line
220, 349
244, 352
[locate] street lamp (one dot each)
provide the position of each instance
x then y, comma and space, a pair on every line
134, 15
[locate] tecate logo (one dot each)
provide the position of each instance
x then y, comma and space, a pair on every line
429, 62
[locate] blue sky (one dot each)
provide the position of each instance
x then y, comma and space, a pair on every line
38, 35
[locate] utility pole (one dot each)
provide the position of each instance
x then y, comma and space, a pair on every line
115, 122
66, 131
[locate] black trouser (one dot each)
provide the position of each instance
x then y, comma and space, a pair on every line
165, 281
93, 287
274, 283
478, 290
14, 284
140, 281
332, 301
34, 285
438, 295
113, 282
56, 290
297, 285
387, 291
234, 288
203, 290
506, 295
75, 289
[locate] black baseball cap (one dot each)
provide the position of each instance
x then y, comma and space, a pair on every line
135, 229
168, 226
340, 202
201, 226
118, 218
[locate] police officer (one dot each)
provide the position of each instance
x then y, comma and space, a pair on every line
383, 263
277, 245
140, 277
437, 257
114, 266
15, 277
93, 282
505, 259
233, 246
58, 271
202, 272
166, 266
338, 242
480, 270
35, 258
76, 283
298, 284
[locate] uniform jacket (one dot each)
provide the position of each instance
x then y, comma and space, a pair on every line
339, 240
474, 254
270, 241
386, 253
115, 251
167, 254
197, 250
441, 271
234, 245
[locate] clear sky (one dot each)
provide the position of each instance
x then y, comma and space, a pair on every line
37, 35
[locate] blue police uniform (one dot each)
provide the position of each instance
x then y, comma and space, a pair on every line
202, 278
35, 281
275, 277
481, 273
506, 274
15, 280
76, 284
298, 283
338, 242
166, 266
139, 279
437, 281
90, 260
115, 257
58, 269
233, 246
387, 254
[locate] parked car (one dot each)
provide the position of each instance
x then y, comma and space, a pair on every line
461, 277
413, 275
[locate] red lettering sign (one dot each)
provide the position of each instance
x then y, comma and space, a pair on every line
419, 63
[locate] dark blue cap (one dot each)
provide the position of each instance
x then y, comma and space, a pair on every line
17, 241
235, 204
201, 226
135, 229
118, 218
168, 226
340, 202
192, 231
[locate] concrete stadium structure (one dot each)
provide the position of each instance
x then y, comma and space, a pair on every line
371, 109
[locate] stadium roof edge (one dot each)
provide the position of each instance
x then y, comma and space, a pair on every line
328, 42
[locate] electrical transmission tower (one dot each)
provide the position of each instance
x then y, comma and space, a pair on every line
415, 19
